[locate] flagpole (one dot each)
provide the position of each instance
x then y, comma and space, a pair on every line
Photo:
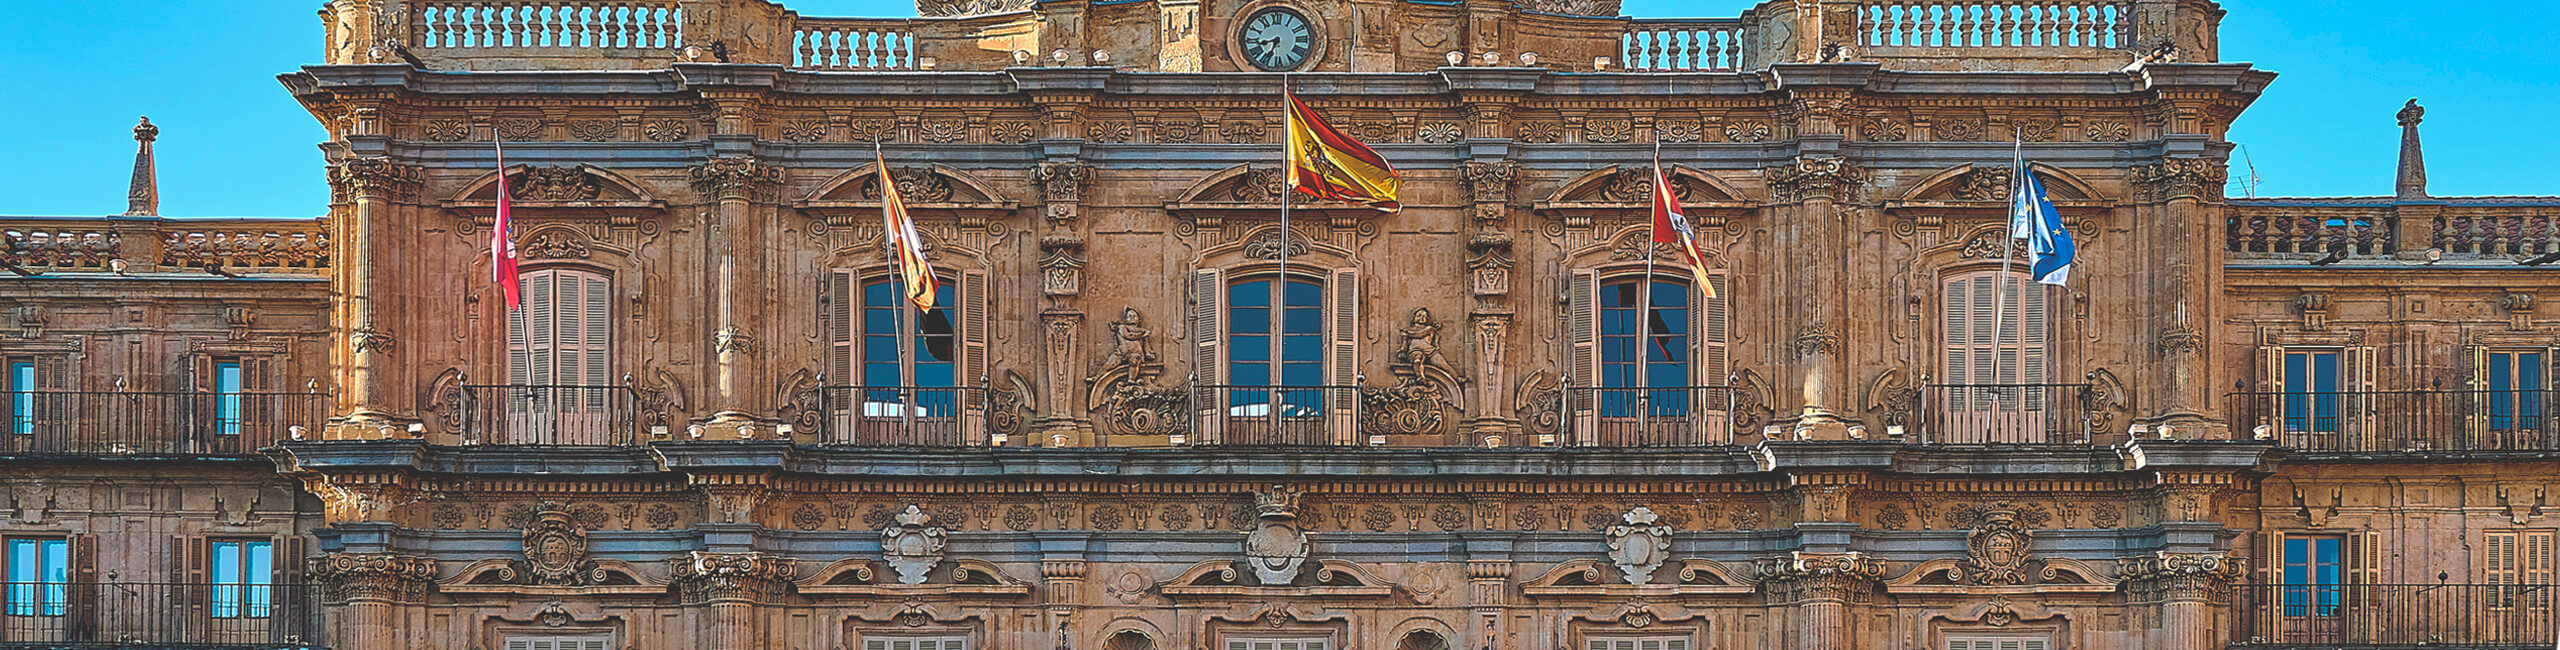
906, 305
496, 248
2000, 291
1644, 314
1278, 297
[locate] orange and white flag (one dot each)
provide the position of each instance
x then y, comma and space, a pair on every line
899, 232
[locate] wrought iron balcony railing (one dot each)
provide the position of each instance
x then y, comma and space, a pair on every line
1659, 416
523, 414
2335, 616
2007, 414
886, 416
164, 614
2400, 420
135, 423
1281, 415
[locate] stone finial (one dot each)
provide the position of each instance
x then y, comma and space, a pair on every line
143, 198
2413, 158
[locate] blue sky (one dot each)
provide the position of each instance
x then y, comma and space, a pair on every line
233, 143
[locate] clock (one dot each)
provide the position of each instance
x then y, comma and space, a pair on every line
1277, 39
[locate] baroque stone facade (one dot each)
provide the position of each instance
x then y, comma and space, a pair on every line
708, 433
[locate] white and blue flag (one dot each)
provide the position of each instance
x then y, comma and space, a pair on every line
2032, 217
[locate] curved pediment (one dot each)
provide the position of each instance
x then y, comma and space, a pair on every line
1598, 579
928, 191
1626, 187
532, 187
1970, 185
1250, 191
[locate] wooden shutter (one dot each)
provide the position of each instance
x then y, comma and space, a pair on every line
1582, 337
1710, 335
842, 309
539, 343
973, 325
55, 413
598, 337
1342, 355
2361, 564
2356, 409
2270, 403
1208, 354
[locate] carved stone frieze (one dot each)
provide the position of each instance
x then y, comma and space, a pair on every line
709, 577
732, 340
1829, 178
556, 185
1062, 182
1639, 545
447, 130
2180, 342
667, 130
1997, 551
595, 130
912, 545
1489, 181
957, 8
376, 177
1817, 339
368, 339
742, 178
517, 129
1985, 184
1837, 577
2187, 577
554, 244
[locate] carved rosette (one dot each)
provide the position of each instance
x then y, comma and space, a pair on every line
1801, 577
707, 577
1827, 178
2194, 577
2180, 178
376, 177
1639, 545
740, 178
374, 576
912, 545
555, 549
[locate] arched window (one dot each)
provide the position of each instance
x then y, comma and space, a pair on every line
1276, 369
1648, 368
560, 361
1995, 390
902, 346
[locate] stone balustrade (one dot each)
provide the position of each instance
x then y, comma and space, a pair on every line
150, 243
1563, 35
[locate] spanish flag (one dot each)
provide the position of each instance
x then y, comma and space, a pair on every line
1326, 163
1671, 227
899, 232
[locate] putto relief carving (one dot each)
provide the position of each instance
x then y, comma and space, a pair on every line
1639, 545
912, 545
1419, 402
1125, 389
1276, 548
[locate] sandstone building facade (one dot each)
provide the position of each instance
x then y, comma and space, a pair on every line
2261, 423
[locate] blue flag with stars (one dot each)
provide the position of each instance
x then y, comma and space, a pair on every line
2033, 218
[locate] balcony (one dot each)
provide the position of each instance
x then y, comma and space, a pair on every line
1304, 415
2393, 616
124, 614
2008, 414
1671, 416
902, 416
2406, 421
154, 423
542, 414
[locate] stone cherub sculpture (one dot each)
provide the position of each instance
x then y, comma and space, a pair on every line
1129, 346
1422, 341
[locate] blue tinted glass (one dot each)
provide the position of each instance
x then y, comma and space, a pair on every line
2297, 373
2324, 371
934, 375
880, 374
2295, 551
1299, 347
2529, 371
879, 321
1254, 320
1250, 349
880, 349
1302, 374
1620, 295
878, 294
1251, 374
22, 400
1670, 294
1256, 293
1305, 294
1303, 321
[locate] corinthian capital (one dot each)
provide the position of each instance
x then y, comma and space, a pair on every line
2180, 178
1806, 178
705, 577
1801, 576
376, 177
736, 177
2180, 576
384, 576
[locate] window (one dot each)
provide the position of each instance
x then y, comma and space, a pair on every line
1647, 367
2513, 557
1997, 643
243, 579
561, 642
1277, 644
22, 396
2311, 398
1636, 643
227, 384
39, 576
1301, 347
2313, 570
2513, 385
903, 347
1664, 354
917, 643
560, 365
1997, 365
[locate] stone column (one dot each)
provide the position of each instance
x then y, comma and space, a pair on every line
2187, 588
2182, 199
1820, 592
1487, 582
1489, 272
364, 287
1809, 239
729, 588
368, 590
1062, 587
1062, 260
738, 270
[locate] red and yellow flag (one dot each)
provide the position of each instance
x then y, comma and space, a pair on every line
899, 233
1671, 227
1326, 163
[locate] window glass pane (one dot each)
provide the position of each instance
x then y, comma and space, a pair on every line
22, 398
1256, 293
226, 407
1304, 293
1303, 320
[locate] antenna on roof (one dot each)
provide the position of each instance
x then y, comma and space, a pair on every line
2248, 184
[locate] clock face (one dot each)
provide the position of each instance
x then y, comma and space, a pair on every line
1277, 39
